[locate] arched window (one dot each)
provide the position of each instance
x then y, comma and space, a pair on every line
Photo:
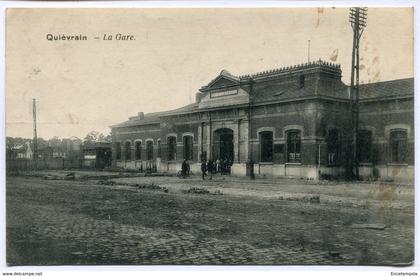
118, 150
293, 146
149, 150
138, 150
364, 146
398, 145
188, 147
332, 146
266, 146
159, 149
171, 148
127, 149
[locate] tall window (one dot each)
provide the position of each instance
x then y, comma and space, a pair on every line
266, 145
159, 149
364, 146
398, 145
138, 150
188, 147
332, 146
127, 149
293, 146
118, 150
171, 148
149, 150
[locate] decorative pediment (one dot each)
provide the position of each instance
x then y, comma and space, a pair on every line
224, 79
225, 97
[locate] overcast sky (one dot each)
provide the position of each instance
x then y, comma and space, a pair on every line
89, 85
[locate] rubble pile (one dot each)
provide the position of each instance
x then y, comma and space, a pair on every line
152, 186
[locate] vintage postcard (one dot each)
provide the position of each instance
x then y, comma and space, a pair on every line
210, 136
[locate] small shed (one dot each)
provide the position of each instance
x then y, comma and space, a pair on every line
96, 156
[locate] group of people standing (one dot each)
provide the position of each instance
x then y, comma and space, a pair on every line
221, 166
208, 168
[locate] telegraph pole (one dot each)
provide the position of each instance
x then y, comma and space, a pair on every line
357, 18
35, 134
250, 162
309, 51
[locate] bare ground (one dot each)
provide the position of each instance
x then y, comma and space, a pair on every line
245, 222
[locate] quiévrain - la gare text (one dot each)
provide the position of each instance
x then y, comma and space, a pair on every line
78, 37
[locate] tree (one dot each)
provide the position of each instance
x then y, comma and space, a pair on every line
55, 142
91, 138
41, 143
13, 142
108, 138
95, 137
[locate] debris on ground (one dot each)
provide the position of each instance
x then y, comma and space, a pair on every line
195, 190
311, 199
373, 226
152, 186
106, 182
70, 176
216, 192
52, 177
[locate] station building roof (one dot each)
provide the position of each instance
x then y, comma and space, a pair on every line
282, 84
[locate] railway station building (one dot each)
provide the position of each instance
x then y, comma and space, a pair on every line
289, 122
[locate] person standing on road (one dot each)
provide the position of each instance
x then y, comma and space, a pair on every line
217, 166
184, 168
203, 168
188, 169
210, 168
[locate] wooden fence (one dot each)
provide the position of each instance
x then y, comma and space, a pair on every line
47, 164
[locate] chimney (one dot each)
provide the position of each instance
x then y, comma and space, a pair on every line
141, 115
199, 96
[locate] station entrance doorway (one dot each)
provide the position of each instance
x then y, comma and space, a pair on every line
223, 149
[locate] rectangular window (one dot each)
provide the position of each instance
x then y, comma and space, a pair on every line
266, 144
149, 150
127, 149
138, 150
159, 149
332, 146
118, 151
188, 147
171, 148
398, 145
364, 146
293, 146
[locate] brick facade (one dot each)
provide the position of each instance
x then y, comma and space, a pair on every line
303, 114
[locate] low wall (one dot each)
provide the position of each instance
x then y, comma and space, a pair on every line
47, 164
400, 173
396, 172
170, 167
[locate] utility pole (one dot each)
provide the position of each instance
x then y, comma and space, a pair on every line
250, 162
309, 51
35, 134
357, 18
